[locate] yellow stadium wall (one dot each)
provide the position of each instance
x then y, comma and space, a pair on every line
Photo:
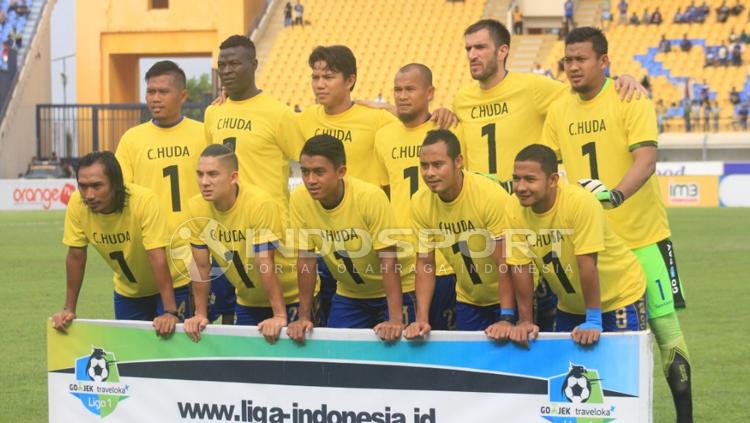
113, 34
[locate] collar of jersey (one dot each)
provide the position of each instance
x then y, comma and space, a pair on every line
552, 209
339, 207
499, 86
247, 100
460, 195
179, 121
343, 115
240, 193
597, 96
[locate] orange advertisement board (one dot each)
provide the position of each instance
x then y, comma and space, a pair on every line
690, 191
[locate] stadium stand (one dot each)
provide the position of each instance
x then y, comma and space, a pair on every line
16, 33
677, 77
384, 35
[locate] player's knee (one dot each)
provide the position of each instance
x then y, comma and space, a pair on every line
679, 376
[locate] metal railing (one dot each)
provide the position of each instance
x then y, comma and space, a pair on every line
73, 130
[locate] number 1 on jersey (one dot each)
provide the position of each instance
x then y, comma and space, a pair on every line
119, 257
590, 149
489, 131
174, 182
412, 174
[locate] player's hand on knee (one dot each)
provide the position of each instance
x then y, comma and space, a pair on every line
499, 331
297, 330
523, 333
271, 328
389, 330
417, 330
62, 320
586, 334
444, 118
165, 324
194, 326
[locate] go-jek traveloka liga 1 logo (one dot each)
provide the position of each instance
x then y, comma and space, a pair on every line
577, 397
97, 382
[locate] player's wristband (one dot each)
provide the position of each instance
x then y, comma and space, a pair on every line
173, 313
508, 315
593, 318
616, 197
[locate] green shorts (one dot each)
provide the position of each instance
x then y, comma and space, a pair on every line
659, 298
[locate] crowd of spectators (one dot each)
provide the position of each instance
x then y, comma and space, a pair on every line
13, 15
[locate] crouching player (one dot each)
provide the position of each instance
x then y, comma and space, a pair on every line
126, 226
241, 227
344, 220
562, 230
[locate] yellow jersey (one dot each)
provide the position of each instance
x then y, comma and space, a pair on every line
233, 237
356, 128
465, 231
595, 139
265, 136
122, 239
397, 148
165, 160
501, 121
349, 236
575, 225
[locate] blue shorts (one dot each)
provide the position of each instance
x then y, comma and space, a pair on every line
471, 317
223, 298
628, 318
251, 316
327, 290
147, 308
546, 306
356, 313
443, 307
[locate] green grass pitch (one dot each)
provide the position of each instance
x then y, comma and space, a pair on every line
710, 244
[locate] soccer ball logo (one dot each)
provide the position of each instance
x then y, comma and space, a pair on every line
577, 387
97, 368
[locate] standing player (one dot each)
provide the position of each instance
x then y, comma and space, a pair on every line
346, 221
262, 131
503, 112
161, 155
241, 227
126, 226
397, 146
461, 214
563, 231
604, 140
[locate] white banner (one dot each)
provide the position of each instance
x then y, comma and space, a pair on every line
122, 371
734, 191
35, 194
689, 168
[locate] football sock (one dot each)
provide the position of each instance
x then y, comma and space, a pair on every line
675, 362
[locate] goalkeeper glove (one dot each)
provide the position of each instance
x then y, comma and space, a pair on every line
609, 198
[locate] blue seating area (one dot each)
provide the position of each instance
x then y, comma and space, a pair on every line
13, 20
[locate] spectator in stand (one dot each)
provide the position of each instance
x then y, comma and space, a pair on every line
745, 37
288, 14
22, 9
723, 55
517, 21
297, 109
622, 7
685, 44
678, 16
703, 11
634, 19
657, 18
686, 113
6, 52
661, 115
737, 9
742, 113
3, 18
606, 17
299, 11
15, 38
664, 45
646, 83
569, 6
734, 96
737, 49
695, 114
704, 92
732, 37
710, 56
646, 17
548, 73
722, 12
538, 69
13, 6
715, 112
707, 116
